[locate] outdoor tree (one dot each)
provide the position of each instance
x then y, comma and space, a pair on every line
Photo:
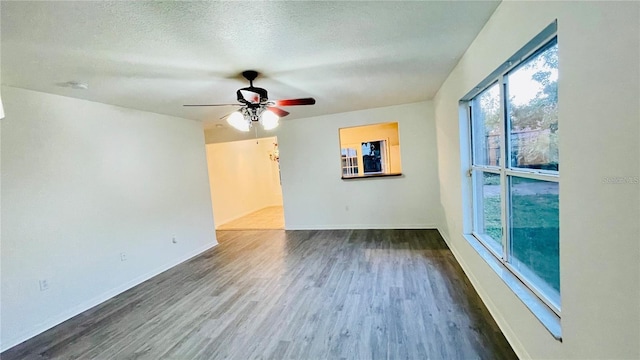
538, 117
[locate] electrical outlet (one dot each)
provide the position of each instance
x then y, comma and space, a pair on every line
123, 256
44, 284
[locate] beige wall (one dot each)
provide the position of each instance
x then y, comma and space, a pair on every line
243, 178
372, 132
599, 112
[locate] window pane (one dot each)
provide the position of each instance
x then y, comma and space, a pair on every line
535, 232
349, 162
533, 111
489, 211
486, 127
348, 152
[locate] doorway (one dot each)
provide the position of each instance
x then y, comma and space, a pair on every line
245, 184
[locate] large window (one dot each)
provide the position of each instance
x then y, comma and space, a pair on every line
515, 169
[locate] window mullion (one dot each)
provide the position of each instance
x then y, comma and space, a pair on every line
545, 176
489, 169
478, 221
503, 176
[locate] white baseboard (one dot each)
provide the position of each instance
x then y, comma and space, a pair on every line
504, 326
360, 226
84, 306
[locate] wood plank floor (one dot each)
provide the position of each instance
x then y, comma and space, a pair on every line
338, 294
271, 217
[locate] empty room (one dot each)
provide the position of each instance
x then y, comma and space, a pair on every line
320, 180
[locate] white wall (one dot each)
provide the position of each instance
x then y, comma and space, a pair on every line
315, 196
599, 104
243, 178
83, 182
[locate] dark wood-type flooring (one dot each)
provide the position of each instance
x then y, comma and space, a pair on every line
338, 294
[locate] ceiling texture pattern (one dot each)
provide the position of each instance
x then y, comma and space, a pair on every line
156, 56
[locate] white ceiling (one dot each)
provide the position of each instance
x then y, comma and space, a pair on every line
156, 56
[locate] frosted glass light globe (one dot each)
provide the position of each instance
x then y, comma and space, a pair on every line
238, 121
269, 120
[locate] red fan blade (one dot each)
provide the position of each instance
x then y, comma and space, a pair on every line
278, 111
294, 102
211, 105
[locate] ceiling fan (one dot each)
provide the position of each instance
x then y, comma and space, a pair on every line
255, 106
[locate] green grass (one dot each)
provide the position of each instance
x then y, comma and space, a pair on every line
535, 232
492, 218
491, 179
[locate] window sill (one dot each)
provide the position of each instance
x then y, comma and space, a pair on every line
370, 176
549, 319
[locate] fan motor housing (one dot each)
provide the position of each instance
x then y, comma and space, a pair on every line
261, 93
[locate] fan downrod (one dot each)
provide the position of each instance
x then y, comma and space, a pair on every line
250, 75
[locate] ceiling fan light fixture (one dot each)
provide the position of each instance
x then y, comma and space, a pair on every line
237, 120
255, 106
269, 120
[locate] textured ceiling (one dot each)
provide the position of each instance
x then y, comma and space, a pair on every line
156, 56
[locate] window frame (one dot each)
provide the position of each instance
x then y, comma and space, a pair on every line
506, 171
351, 163
384, 157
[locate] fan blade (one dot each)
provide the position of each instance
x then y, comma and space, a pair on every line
294, 102
278, 111
210, 105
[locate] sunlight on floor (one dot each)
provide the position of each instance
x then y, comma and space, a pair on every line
271, 217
